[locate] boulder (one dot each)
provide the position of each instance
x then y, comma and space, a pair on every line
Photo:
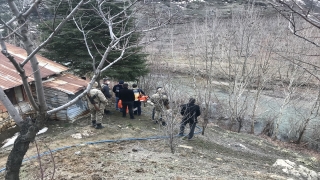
299, 171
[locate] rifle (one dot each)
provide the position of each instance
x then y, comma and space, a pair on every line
91, 99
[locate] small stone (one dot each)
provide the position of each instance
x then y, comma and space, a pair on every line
140, 170
12, 123
96, 177
77, 136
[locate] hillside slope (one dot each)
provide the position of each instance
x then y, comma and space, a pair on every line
219, 154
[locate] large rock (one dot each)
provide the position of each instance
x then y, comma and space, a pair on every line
299, 171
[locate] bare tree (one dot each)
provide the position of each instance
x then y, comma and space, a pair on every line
119, 42
301, 15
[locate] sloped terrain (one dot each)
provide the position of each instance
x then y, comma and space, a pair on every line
219, 154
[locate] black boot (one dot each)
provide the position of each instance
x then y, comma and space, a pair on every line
94, 123
99, 126
107, 112
163, 123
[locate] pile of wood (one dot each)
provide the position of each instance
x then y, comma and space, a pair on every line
5, 121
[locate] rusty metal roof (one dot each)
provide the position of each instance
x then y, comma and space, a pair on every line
10, 78
43, 62
67, 83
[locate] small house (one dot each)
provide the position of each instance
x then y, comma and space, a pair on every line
59, 87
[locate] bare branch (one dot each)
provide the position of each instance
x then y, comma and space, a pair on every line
85, 41
13, 31
33, 6
56, 31
8, 23
39, 159
118, 59
22, 73
301, 12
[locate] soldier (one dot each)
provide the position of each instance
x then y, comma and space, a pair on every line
161, 103
96, 103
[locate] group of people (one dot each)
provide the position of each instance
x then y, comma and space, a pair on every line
130, 100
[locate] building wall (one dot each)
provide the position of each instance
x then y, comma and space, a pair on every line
56, 98
80, 108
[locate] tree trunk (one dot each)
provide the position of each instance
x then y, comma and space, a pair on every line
21, 145
302, 131
204, 125
240, 120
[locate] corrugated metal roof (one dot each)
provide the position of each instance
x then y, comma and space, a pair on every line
48, 64
67, 83
10, 78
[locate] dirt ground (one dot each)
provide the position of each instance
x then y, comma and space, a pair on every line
219, 154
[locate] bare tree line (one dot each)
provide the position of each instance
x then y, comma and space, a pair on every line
119, 42
257, 62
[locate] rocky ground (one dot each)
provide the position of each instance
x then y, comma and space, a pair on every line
81, 152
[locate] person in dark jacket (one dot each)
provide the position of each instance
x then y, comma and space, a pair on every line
127, 97
105, 88
190, 113
116, 89
106, 92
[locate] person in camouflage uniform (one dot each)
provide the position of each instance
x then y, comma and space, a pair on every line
161, 103
96, 103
